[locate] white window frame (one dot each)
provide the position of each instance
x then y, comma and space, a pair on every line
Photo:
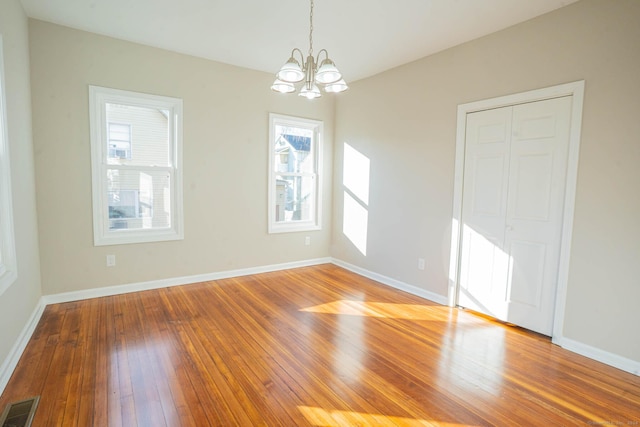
99, 97
315, 223
8, 262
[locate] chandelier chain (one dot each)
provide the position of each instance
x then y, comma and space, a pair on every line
311, 30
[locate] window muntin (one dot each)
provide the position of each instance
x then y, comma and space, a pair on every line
294, 186
136, 158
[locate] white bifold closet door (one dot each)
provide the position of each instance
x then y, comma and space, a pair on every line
512, 207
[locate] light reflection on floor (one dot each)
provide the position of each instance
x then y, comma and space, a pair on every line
323, 417
389, 310
472, 352
473, 358
149, 358
348, 364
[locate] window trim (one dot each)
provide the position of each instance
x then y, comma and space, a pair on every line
8, 260
102, 235
317, 148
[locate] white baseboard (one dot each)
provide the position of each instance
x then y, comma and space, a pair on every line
392, 282
599, 355
164, 283
9, 364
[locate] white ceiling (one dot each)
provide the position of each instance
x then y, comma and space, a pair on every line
363, 37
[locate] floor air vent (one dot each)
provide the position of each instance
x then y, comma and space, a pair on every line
19, 414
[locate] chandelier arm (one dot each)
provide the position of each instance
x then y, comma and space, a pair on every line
301, 56
326, 56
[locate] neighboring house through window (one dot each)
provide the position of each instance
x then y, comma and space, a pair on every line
136, 149
8, 265
294, 186
119, 141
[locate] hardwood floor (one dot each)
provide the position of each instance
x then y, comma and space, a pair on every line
316, 346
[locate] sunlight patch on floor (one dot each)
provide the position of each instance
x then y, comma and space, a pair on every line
383, 310
322, 417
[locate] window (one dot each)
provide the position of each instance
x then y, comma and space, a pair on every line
136, 150
8, 267
295, 145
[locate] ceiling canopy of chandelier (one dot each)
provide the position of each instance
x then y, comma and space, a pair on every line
313, 72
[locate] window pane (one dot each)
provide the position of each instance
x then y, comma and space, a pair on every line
124, 204
137, 136
138, 200
294, 198
293, 149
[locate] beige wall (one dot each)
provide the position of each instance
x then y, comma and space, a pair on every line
225, 161
19, 301
404, 121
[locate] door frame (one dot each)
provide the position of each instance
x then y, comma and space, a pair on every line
576, 91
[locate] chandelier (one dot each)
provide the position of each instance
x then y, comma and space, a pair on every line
312, 71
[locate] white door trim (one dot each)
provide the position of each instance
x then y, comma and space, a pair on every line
574, 89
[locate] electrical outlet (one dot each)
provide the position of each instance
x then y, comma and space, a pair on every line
111, 260
420, 263
307, 240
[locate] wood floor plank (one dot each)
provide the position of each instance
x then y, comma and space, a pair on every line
111, 317
156, 329
61, 374
148, 408
176, 360
79, 401
315, 346
124, 404
101, 367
